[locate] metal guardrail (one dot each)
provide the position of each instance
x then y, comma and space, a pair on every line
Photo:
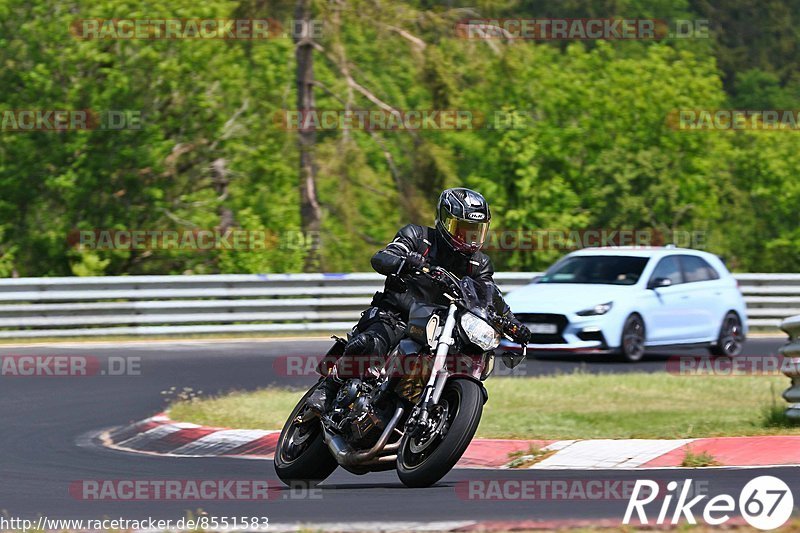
242, 303
792, 351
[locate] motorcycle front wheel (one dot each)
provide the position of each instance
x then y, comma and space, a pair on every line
302, 457
424, 458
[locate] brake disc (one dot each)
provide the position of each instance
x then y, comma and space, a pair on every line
437, 426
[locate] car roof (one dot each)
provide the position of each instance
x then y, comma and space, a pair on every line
639, 251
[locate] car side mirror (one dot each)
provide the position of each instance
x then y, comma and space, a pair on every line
659, 282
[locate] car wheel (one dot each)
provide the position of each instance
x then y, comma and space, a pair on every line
730, 340
631, 347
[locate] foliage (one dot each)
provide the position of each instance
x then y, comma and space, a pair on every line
592, 147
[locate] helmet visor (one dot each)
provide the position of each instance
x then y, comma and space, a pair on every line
466, 235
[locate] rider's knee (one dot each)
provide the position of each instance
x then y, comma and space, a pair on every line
366, 343
361, 344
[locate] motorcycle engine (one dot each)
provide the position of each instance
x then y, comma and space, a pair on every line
361, 422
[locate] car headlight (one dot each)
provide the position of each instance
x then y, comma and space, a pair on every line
599, 309
479, 332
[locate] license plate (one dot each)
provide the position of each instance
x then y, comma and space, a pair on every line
543, 328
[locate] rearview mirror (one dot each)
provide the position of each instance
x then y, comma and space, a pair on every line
512, 359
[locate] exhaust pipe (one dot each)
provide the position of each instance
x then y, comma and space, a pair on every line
345, 455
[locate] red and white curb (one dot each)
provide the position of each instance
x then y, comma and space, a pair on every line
628, 454
160, 435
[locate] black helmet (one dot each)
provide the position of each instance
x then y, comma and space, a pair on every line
462, 219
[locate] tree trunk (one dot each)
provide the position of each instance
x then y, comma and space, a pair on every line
219, 173
310, 212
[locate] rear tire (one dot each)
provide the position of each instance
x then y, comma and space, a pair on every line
302, 458
730, 339
464, 400
632, 343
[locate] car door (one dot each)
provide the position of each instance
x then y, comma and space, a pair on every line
703, 291
665, 306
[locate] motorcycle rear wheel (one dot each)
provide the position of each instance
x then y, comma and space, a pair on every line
424, 460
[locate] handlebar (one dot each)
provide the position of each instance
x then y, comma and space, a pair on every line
502, 324
442, 277
451, 283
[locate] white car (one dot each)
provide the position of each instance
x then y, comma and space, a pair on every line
623, 300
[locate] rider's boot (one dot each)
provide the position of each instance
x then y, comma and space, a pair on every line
365, 343
321, 399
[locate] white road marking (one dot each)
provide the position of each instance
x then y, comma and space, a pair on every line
221, 441
156, 433
609, 453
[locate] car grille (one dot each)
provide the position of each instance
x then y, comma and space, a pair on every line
545, 318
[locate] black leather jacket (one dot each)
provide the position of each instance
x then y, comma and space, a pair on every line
426, 241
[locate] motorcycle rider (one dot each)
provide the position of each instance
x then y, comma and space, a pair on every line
462, 223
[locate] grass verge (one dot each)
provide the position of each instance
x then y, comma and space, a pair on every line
525, 459
567, 406
699, 460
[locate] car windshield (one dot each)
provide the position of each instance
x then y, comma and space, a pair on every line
602, 269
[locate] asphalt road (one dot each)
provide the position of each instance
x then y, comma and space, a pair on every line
45, 420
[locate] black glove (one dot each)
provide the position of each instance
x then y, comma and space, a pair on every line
414, 262
520, 332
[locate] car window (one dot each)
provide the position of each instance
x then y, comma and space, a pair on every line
697, 269
668, 268
593, 269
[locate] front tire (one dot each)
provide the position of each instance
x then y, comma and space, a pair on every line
632, 344
301, 456
730, 340
424, 460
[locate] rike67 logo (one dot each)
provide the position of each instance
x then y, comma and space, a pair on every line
765, 503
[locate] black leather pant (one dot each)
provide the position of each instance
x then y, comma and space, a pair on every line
377, 332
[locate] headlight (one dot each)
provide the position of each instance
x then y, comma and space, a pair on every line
479, 332
599, 309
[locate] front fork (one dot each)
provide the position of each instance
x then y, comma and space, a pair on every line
439, 373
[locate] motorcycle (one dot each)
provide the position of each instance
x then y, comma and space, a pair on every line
418, 420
